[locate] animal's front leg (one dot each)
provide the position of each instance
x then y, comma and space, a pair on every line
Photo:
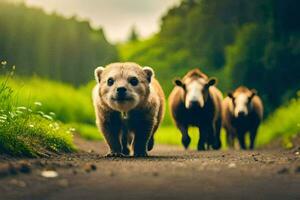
125, 149
253, 133
112, 137
140, 142
241, 138
205, 134
185, 139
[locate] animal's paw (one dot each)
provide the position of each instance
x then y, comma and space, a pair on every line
125, 151
140, 154
186, 140
217, 145
201, 147
114, 155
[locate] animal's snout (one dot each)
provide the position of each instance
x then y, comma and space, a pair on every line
121, 92
241, 114
194, 104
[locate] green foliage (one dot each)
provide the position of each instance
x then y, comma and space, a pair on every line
283, 123
50, 45
28, 132
133, 35
87, 131
225, 39
64, 100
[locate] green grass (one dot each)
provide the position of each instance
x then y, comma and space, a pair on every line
172, 136
68, 103
27, 131
89, 132
283, 123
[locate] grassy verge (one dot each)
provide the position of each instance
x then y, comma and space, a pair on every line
67, 102
87, 131
283, 123
172, 136
27, 131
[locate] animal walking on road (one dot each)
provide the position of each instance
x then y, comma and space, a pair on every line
242, 113
196, 101
129, 104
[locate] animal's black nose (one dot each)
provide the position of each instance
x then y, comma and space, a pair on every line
121, 90
241, 113
194, 104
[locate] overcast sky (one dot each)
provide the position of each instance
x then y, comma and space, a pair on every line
115, 16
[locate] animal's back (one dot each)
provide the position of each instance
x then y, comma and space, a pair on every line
161, 111
174, 101
258, 106
218, 98
227, 109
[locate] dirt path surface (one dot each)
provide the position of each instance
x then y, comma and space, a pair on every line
169, 173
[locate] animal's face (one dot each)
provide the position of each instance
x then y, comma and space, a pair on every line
123, 86
196, 90
242, 102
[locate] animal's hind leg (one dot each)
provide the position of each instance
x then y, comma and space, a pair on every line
230, 139
150, 143
185, 139
217, 140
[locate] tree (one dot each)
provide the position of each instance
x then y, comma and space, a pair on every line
133, 36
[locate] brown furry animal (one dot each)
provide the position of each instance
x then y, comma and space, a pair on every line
129, 105
195, 101
242, 112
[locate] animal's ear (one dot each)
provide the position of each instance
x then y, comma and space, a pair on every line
230, 94
98, 72
149, 73
253, 93
178, 82
212, 81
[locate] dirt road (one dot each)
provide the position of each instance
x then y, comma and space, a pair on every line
169, 173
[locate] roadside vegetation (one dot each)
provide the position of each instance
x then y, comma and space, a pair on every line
283, 124
27, 130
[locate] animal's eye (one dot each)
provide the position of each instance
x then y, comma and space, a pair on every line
110, 81
134, 81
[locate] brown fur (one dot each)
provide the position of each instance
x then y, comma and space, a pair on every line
238, 126
138, 127
207, 119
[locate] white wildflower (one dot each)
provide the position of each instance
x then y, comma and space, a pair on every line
48, 117
72, 129
31, 125
3, 117
21, 108
52, 114
41, 113
19, 112
12, 115
37, 103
